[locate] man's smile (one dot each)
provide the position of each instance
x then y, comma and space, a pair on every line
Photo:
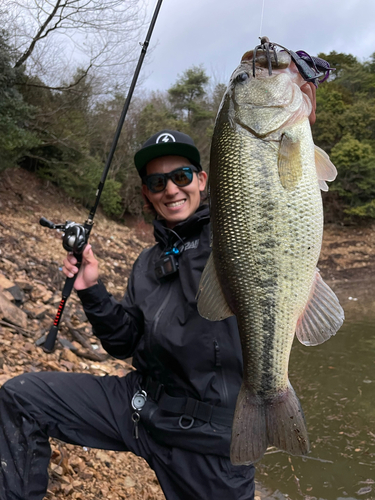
173, 204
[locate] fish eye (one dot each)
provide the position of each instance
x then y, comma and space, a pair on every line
242, 77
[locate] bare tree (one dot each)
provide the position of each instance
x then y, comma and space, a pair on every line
54, 37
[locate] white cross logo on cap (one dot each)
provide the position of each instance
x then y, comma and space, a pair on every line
165, 138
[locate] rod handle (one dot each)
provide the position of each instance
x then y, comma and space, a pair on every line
68, 285
49, 344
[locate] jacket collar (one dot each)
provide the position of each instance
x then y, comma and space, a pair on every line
184, 229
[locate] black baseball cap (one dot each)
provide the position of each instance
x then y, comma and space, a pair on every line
164, 143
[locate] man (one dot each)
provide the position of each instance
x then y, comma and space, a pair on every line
188, 368
176, 409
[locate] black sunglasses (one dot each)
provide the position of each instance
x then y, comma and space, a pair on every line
182, 177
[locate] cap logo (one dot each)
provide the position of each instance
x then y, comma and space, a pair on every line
165, 138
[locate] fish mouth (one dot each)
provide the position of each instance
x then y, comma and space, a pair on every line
265, 59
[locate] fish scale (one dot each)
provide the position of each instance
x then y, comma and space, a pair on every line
267, 224
245, 251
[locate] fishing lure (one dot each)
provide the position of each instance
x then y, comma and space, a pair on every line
312, 69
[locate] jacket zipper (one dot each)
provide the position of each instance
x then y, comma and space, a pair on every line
220, 370
159, 312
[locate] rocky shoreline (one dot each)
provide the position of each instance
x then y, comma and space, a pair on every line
30, 291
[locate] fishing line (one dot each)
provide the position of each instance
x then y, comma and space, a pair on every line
261, 20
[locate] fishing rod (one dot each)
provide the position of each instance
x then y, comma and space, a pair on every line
76, 235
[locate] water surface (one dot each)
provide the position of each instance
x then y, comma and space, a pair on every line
336, 385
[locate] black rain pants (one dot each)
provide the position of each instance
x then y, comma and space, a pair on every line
96, 412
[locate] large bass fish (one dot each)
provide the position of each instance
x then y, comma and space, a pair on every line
267, 224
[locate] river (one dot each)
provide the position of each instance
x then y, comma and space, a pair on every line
336, 386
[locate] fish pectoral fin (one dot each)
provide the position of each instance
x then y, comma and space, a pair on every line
289, 163
325, 169
322, 316
212, 304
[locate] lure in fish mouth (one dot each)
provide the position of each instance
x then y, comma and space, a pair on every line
312, 69
267, 224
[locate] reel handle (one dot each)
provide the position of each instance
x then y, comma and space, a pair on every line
46, 223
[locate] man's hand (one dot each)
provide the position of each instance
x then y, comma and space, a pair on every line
310, 90
88, 273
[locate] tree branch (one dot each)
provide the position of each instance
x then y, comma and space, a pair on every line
38, 36
67, 87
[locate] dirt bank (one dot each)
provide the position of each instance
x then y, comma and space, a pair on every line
30, 258
348, 253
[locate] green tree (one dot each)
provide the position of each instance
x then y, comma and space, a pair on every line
64, 154
15, 114
358, 120
355, 162
156, 114
338, 60
190, 100
188, 93
345, 128
370, 64
327, 130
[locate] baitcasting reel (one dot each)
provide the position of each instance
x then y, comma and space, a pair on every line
75, 235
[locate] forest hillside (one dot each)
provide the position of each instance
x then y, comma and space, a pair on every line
64, 133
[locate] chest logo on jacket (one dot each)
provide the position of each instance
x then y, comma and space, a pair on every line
191, 245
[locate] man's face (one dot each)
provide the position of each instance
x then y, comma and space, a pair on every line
174, 204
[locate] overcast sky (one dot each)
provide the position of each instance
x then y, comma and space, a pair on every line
216, 33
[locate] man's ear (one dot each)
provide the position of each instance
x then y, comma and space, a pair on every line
202, 180
145, 193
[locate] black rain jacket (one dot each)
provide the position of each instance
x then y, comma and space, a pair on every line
157, 324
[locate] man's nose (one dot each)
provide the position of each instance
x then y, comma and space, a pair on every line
171, 188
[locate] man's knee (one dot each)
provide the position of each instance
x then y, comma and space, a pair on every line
21, 392
16, 385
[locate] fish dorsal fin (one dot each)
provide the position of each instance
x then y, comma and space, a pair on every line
289, 163
325, 169
211, 301
322, 316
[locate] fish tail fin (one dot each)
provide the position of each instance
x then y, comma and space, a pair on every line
286, 426
249, 432
259, 422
